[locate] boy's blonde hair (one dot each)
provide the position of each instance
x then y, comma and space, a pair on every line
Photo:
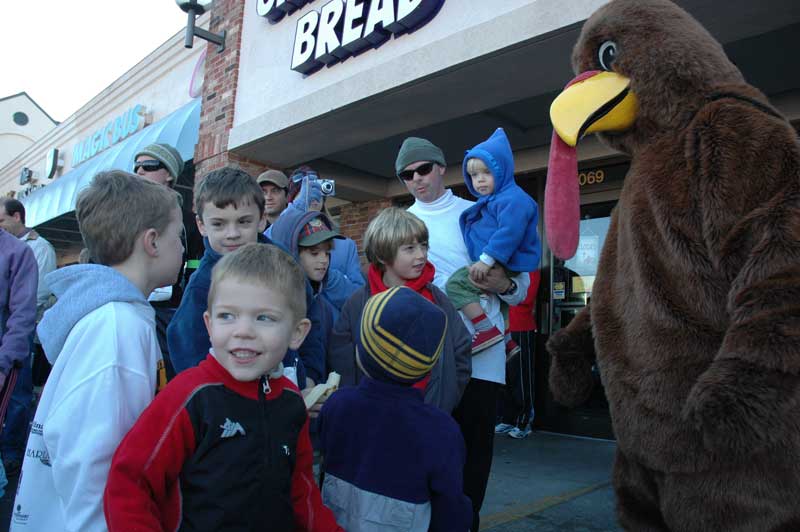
474, 164
265, 265
227, 186
116, 208
392, 228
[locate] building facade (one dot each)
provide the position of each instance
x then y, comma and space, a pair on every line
339, 84
156, 100
22, 122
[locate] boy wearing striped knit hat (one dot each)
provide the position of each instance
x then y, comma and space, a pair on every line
390, 459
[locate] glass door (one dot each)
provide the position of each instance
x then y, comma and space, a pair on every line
571, 284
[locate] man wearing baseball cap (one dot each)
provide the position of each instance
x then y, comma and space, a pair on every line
275, 185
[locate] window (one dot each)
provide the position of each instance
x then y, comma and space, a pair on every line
20, 118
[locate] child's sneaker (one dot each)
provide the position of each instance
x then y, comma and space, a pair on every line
484, 339
519, 433
512, 349
503, 428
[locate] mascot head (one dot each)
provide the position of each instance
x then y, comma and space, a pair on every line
644, 67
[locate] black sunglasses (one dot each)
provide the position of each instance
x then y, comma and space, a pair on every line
149, 166
423, 169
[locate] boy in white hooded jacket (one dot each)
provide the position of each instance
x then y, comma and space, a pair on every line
101, 339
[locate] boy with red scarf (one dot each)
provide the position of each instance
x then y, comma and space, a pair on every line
396, 245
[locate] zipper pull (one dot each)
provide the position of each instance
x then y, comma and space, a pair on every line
265, 385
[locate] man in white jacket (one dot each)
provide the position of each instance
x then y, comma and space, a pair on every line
100, 337
420, 165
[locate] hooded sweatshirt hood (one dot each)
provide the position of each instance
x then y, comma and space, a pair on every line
496, 154
287, 228
81, 289
501, 225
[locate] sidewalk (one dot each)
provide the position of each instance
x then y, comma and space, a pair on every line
548, 483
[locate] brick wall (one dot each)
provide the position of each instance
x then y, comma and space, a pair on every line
354, 218
219, 93
216, 117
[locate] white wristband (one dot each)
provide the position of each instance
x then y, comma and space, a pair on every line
487, 260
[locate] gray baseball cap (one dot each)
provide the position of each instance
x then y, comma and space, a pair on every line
276, 177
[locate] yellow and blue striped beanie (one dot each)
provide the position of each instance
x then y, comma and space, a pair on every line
401, 336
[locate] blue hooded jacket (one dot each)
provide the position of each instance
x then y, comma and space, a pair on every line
188, 339
286, 233
344, 272
502, 224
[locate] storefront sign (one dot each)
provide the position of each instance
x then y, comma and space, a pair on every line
25, 176
118, 129
52, 163
342, 28
27, 191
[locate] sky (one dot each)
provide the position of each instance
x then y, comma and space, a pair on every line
65, 53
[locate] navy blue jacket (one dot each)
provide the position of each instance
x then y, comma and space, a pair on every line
187, 336
385, 447
345, 274
504, 224
286, 234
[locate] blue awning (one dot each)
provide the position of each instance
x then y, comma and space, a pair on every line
179, 129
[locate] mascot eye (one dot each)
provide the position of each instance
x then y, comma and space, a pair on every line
607, 54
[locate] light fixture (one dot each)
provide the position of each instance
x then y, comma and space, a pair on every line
195, 8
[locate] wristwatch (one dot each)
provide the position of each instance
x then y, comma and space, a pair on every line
511, 288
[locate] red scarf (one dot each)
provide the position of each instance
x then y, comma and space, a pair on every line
419, 285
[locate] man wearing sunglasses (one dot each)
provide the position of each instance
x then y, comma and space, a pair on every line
159, 163
420, 165
162, 164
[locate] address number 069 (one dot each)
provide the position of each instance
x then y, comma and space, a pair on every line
591, 178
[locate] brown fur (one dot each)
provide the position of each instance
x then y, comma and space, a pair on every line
695, 316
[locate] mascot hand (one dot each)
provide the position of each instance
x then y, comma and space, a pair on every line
572, 352
741, 408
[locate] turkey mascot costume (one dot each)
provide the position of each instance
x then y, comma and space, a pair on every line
694, 321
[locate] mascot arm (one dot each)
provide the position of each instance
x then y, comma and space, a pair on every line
572, 355
748, 168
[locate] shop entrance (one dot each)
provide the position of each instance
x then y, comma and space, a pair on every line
566, 289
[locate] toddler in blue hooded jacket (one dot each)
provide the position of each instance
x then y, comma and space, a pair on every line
499, 229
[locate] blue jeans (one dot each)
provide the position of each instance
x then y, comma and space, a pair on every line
18, 416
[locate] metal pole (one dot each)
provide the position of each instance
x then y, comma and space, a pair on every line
189, 29
219, 40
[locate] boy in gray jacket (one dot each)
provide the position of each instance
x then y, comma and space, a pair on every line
396, 245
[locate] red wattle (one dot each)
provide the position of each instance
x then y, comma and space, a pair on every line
582, 76
562, 204
562, 199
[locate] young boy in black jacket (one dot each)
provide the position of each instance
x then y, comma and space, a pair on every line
225, 445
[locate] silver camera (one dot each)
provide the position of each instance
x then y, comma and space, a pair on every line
328, 187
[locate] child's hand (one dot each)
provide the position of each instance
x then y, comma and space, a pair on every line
315, 397
479, 271
316, 408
